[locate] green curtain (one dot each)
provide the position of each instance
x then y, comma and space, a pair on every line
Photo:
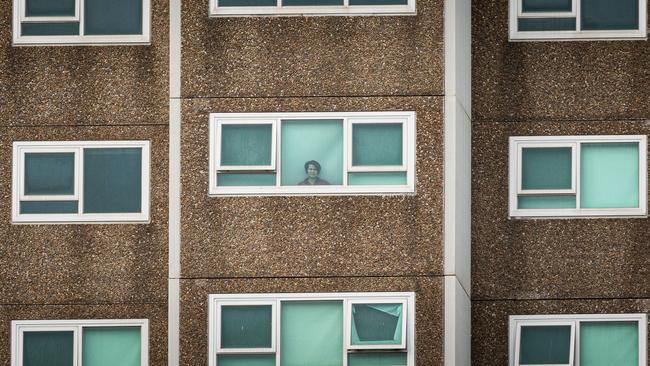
48, 348
546, 168
111, 346
546, 5
246, 360
112, 17
377, 359
247, 144
376, 144
245, 179
112, 180
545, 345
49, 8
373, 179
609, 14
376, 324
246, 326
311, 333
319, 140
546, 201
609, 344
49, 173
609, 176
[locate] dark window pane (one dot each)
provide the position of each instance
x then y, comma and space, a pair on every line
374, 324
610, 14
48, 348
111, 17
545, 345
112, 180
547, 24
47, 207
49, 8
376, 144
247, 3
49, 29
546, 6
311, 2
49, 173
246, 326
378, 2
546, 168
246, 144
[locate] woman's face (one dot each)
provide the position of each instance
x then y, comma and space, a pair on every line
312, 172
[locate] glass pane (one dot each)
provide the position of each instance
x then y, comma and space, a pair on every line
112, 180
107, 17
246, 144
318, 142
49, 207
609, 175
49, 173
247, 3
610, 15
246, 360
49, 29
110, 346
311, 2
546, 24
373, 179
609, 343
376, 324
48, 348
546, 5
312, 333
377, 359
557, 201
545, 345
245, 179
378, 2
246, 326
49, 8
546, 168
376, 144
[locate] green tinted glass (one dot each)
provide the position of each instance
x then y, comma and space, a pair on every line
311, 2
112, 180
49, 173
609, 15
49, 207
246, 144
248, 3
609, 175
247, 326
111, 346
549, 202
374, 179
546, 24
545, 345
49, 29
376, 144
49, 8
378, 2
112, 17
246, 360
377, 359
312, 333
376, 324
48, 348
546, 5
245, 179
317, 140
609, 343
546, 168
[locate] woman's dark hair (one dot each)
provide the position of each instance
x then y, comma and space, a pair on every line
314, 163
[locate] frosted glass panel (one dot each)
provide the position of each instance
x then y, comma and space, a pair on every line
245, 179
377, 359
376, 324
315, 140
376, 144
609, 343
609, 175
48, 348
246, 360
106, 17
112, 180
49, 173
546, 168
557, 201
546, 5
47, 207
49, 8
246, 326
609, 14
373, 179
246, 144
545, 345
111, 346
312, 333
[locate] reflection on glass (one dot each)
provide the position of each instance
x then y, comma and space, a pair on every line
312, 169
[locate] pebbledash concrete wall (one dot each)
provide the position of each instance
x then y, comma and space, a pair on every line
546, 266
82, 271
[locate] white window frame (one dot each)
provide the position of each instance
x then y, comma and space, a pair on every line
221, 304
252, 121
214, 301
341, 10
516, 12
348, 328
517, 143
22, 147
409, 146
517, 321
19, 327
19, 17
377, 168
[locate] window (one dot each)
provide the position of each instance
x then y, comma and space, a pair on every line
317, 329
578, 340
81, 22
311, 7
80, 342
578, 176
577, 19
312, 153
80, 181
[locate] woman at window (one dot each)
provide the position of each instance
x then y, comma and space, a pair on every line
312, 169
